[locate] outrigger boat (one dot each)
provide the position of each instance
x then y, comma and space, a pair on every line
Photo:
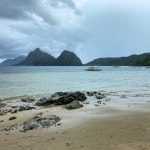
93, 68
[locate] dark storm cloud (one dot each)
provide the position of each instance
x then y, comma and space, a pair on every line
26, 9
27, 24
91, 28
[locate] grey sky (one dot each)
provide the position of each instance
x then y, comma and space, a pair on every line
90, 28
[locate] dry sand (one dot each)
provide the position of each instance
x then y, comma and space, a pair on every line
125, 130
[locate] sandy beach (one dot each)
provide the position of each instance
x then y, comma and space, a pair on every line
74, 74
99, 128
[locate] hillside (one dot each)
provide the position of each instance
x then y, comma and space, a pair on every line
12, 62
68, 59
131, 60
38, 58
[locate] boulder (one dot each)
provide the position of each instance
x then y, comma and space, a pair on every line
2, 105
61, 98
39, 122
90, 93
74, 105
27, 99
99, 96
12, 127
13, 110
1, 121
40, 114
12, 118
43, 101
99, 102
3, 112
29, 125
14, 106
26, 107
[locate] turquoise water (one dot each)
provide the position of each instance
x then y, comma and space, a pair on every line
18, 81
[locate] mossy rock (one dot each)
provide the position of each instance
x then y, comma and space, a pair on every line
74, 105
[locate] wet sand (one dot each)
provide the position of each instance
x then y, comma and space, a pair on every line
124, 130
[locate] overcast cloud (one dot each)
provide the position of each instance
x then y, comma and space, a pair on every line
90, 28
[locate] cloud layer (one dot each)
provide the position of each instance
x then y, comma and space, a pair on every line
89, 28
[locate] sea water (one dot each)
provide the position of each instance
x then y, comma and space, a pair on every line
21, 80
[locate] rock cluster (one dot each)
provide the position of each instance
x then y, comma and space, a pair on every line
2, 105
61, 98
3, 112
12, 127
26, 107
97, 95
37, 121
14, 109
27, 99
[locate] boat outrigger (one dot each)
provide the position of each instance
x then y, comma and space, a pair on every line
93, 68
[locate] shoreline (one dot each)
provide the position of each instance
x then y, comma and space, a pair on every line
90, 127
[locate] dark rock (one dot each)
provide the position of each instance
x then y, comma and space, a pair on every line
90, 93
35, 122
58, 124
27, 107
87, 102
61, 98
43, 101
12, 118
38, 114
99, 102
2, 105
3, 112
39, 122
100, 96
95, 92
14, 106
108, 99
67, 144
27, 100
29, 125
14, 110
1, 121
99, 93
12, 127
74, 105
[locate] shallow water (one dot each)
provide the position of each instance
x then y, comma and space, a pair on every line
18, 81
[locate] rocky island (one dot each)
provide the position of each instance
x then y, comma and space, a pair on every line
40, 58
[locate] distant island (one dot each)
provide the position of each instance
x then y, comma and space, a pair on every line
40, 58
11, 62
132, 60
67, 58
